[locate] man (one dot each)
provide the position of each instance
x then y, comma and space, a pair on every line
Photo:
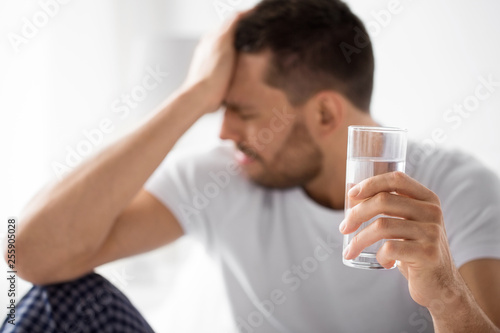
270, 219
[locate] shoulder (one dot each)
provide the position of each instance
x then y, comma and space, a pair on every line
470, 199
447, 170
208, 172
461, 181
201, 164
201, 158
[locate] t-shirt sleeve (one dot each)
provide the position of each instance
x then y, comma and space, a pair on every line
197, 187
174, 184
470, 200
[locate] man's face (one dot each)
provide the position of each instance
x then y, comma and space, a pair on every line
275, 148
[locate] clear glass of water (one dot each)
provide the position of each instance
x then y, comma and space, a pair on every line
371, 151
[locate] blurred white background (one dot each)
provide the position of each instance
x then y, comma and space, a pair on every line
77, 65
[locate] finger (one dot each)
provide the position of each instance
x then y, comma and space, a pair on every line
406, 251
231, 24
228, 27
384, 203
382, 228
403, 268
397, 182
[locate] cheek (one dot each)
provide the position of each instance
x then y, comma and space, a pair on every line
269, 142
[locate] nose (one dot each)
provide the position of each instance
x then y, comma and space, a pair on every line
231, 127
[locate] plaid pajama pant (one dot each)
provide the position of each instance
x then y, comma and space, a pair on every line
85, 305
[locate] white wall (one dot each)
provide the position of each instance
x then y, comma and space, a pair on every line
65, 79
428, 58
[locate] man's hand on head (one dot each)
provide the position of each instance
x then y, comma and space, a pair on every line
213, 64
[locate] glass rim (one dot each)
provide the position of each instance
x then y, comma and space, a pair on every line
377, 129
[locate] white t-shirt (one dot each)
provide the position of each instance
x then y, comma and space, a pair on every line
281, 253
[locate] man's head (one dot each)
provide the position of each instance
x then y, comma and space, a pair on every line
304, 37
289, 63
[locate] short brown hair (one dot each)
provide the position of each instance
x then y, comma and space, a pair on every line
305, 38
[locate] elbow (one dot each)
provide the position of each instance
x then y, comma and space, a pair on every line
39, 260
14, 249
33, 269
10, 257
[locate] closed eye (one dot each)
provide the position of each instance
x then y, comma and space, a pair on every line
244, 112
244, 116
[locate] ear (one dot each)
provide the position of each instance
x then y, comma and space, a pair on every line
328, 111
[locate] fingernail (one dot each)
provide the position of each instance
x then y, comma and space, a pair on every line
354, 191
346, 251
342, 226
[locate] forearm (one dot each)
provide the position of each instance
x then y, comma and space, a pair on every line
459, 312
74, 216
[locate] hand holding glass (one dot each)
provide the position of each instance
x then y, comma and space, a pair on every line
371, 151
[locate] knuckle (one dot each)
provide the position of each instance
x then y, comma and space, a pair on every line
435, 198
430, 252
382, 198
434, 210
390, 247
354, 242
366, 183
398, 176
433, 232
381, 224
381, 254
353, 212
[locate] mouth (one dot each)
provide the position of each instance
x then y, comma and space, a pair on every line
245, 156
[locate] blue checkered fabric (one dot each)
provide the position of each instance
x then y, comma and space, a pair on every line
86, 305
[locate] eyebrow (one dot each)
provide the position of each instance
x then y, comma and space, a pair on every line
236, 107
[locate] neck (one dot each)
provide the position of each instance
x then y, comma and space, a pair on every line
328, 188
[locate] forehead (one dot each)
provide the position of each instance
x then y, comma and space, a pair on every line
248, 84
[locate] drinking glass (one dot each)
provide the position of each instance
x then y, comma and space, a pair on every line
371, 151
